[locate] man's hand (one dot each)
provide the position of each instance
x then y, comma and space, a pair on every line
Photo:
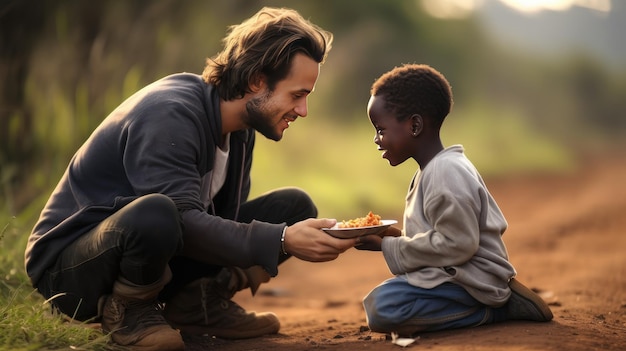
306, 241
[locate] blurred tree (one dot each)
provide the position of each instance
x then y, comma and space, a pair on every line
25, 28
591, 88
373, 36
65, 64
21, 23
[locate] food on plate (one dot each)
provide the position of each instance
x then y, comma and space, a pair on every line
370, 220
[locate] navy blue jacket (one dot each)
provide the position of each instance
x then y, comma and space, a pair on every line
160, 140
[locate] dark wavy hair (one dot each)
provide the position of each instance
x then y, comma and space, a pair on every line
415, 88
266, 44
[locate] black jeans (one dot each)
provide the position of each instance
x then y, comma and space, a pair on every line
285, 205
138, 243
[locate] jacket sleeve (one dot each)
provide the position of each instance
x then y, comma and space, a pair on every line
214, 240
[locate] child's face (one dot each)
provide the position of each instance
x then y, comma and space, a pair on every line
394, 138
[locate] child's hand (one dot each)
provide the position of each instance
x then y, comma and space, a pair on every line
391, 231
368, 242
374, 242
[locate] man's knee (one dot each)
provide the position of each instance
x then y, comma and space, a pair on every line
300, 202
157, 220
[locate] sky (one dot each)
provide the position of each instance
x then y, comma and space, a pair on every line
463, 8
531, 6
556, 28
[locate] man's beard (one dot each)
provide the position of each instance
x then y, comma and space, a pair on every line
261, 118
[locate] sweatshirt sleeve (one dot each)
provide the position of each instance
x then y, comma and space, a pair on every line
448, 234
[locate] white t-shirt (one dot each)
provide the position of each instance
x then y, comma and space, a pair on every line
213, 181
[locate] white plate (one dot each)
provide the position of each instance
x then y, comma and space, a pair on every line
346, 233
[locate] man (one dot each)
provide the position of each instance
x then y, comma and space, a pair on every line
153, 209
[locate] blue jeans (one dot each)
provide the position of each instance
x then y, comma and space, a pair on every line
139, 242
397, 306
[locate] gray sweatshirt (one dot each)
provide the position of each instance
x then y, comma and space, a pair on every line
452, 232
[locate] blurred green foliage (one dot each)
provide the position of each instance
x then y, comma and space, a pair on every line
66, 64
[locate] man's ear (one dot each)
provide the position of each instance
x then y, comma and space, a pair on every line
257, 82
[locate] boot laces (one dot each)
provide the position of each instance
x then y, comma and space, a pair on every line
137, 313
217, 289
149, 313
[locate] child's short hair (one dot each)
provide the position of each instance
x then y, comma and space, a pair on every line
415, 88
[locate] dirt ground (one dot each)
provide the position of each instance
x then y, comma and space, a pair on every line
566, 238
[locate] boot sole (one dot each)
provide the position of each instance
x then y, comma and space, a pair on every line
227, 333
156, 348
159, 339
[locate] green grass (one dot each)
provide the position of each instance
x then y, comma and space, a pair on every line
27, 324
26, 321
501, 142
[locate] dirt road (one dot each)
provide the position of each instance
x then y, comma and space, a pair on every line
566, 238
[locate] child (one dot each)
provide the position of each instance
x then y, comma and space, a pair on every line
451, 266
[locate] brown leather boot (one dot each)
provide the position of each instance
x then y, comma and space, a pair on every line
204, 307
132, 316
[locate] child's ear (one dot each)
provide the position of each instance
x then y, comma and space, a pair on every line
417, 124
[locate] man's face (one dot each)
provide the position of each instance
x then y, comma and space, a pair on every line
271, 112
